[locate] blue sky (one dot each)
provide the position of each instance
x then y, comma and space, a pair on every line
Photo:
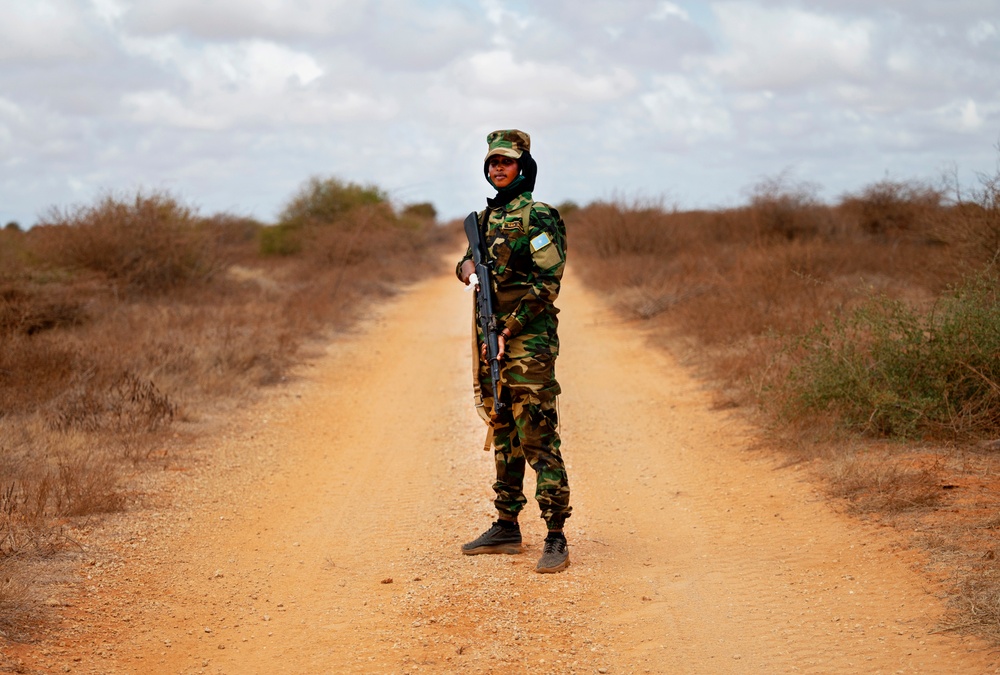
231, 105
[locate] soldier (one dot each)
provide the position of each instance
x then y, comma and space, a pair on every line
526, 248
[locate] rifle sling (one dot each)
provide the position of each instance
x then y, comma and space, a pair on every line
476, 389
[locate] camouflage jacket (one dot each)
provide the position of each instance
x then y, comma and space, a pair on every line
526, 243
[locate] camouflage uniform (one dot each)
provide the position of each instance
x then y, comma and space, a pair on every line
526, 244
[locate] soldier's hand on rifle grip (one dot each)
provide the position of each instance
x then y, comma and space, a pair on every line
468, 268
501, 352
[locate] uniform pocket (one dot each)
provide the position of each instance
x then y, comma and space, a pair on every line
547, 258
532, 379
500, 252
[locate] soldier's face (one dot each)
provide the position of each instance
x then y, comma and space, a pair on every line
503, 170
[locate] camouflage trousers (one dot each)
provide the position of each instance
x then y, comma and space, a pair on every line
526, 432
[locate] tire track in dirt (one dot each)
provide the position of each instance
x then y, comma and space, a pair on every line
690, 554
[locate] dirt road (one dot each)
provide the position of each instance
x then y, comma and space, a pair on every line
319, 533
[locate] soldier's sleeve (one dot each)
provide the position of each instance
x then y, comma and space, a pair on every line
458, 267
547, 240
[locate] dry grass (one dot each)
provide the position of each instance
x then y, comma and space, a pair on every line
739, 292
882, 482
121, 319
18, 606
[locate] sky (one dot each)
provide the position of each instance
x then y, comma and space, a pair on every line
232, 105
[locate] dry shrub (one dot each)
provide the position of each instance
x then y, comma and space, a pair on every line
609, 230
783, 209
126, 406
12, 254
882, 482
368, 250
33, 370
637, 253
891, 208
32, 308
17, 607
121, 319
974, 226
50, 475
739, 282
147, 245
85, 484
229, 232
740, 290
977, 598
357, 237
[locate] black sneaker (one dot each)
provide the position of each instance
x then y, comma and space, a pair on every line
497, 539
555, 555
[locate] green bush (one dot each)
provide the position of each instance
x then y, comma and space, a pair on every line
280, 240
567, 208
321, 204
324, 202
421, 210
889, 370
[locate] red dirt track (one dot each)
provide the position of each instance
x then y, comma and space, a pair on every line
319, 532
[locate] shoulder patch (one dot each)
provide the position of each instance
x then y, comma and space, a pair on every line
540, 242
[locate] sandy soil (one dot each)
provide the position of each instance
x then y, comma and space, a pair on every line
319, 532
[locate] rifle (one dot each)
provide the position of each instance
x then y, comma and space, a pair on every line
486, 316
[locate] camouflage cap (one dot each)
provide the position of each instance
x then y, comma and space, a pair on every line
508, 142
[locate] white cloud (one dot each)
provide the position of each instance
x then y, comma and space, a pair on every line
233, 103
409, 37
264, 67
962, 116
258, 65
45, 30
666, 10
162, 107
11, 112
220, 85
505, 19
501, 76
686, 110
108, 11
982, 31
971, 120
785, 48
241, 19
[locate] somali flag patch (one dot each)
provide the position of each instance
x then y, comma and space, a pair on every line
540, 242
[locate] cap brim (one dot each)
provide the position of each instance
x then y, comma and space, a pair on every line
506, 152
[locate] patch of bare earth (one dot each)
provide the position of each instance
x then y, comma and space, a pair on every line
319, 531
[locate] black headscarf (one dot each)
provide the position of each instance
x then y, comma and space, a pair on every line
525, 182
